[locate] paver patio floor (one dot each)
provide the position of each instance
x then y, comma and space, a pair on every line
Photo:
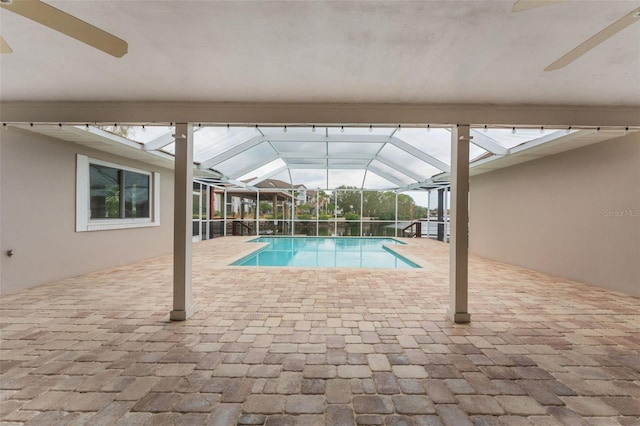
281, 346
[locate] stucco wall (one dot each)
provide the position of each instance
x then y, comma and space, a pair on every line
37, 215
574, 214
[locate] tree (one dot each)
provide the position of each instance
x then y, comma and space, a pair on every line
405, 207
371, 203
303, 211
323, 199
379, 205
348, 199
330, 208
382, 206
303, 208
265, 207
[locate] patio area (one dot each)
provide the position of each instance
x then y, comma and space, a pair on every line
282, 346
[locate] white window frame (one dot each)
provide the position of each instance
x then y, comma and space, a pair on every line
84, 222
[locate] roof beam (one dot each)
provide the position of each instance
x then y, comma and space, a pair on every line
232, 152
323, 156
241, 184
315, 112
557, 135
251, 167
267, 175
288, 137
324, 166
320, 163
399, 168
486, 143
330, 138
409, 149
364, 178
160, 141
384, 175
425, 183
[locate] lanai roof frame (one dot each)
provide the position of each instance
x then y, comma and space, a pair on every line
370, 148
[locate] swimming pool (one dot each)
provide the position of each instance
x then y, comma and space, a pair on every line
339, 252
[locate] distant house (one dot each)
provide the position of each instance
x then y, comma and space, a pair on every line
301, 194
242, 202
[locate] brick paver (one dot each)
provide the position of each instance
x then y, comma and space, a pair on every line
413, 404
319, 346
520, 405
372, 404
299, 404
264, 404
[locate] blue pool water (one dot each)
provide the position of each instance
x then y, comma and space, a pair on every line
342, 252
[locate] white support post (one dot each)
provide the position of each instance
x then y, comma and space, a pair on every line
396, 223
182, 223
445, 215
459, 242
361, 212
224, 214
335, 213
207, 210
258, 212
428, 214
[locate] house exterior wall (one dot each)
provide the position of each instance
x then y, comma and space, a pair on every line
574, 214
38, 214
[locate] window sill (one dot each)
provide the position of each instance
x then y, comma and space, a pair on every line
119, 224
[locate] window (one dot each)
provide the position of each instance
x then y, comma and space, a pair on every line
117, 193
110, 196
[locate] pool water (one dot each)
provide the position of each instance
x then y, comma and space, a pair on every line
339, 252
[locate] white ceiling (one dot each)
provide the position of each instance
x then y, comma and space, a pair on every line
427, 52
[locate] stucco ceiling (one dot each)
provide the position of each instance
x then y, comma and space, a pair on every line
328, 51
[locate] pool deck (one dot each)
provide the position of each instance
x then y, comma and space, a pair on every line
304, 346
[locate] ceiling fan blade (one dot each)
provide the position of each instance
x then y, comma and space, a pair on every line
4, 46
611, 30
521, 5
76, 28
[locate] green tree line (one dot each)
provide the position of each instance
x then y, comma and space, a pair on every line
377, 204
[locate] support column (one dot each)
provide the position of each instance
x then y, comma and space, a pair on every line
459, 243
428, 214
440, 217
335, 213
447, 215
361, 212
396, 222
258, 212
275, 214
292, 214
182, 223
224, 213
